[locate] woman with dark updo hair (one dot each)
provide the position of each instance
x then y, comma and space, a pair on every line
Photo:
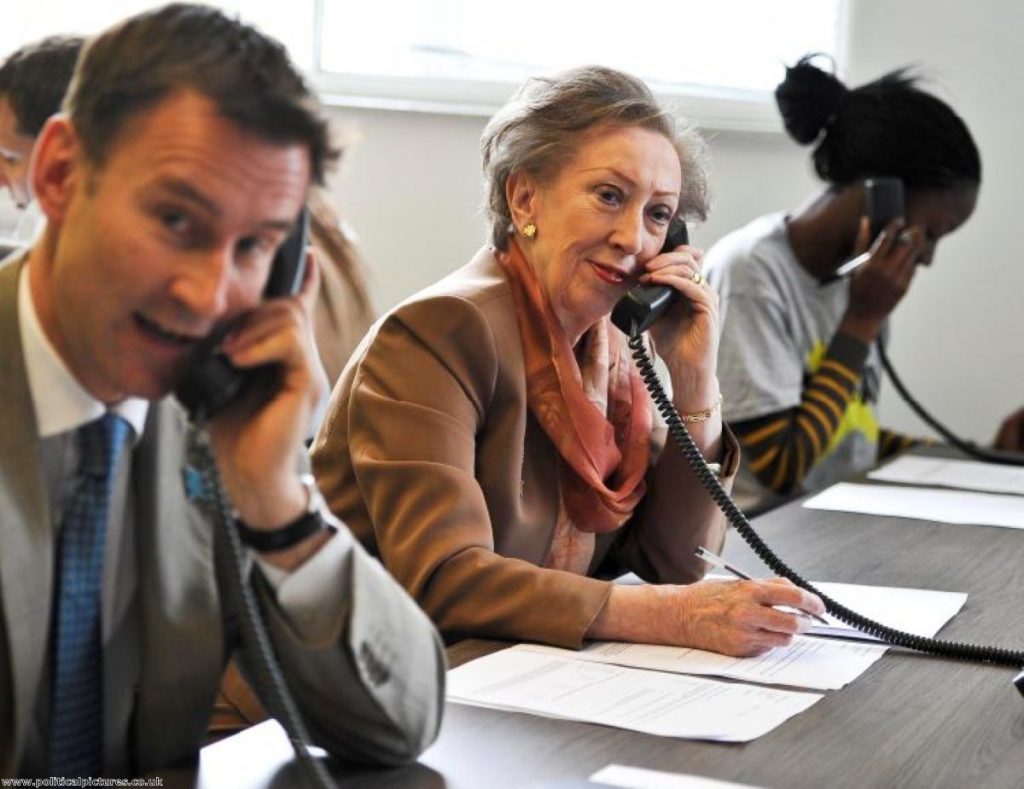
798, 364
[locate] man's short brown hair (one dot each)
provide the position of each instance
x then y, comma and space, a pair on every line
35, 78
248, 77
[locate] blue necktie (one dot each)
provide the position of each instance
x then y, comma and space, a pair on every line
76, 720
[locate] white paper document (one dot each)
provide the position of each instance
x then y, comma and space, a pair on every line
930, 504
922, 612
817, 663
653, 702
642, 778
961, 474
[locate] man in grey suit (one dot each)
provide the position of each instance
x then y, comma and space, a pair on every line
181, 163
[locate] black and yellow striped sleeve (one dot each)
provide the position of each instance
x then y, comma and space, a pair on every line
782, 447
892, 443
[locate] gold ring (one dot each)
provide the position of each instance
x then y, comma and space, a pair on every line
697, 278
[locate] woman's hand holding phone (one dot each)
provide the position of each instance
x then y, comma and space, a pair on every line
882, 282
686, 337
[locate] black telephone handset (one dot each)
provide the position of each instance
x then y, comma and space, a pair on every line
644, 304
212, 382
883, 202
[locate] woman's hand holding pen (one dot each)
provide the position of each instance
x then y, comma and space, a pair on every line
881, 283
742, 618
737, 618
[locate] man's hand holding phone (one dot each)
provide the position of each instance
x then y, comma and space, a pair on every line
257, 440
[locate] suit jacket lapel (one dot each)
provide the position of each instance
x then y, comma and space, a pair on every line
183, 650
26, 535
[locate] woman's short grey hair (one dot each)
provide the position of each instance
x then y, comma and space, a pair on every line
539, 131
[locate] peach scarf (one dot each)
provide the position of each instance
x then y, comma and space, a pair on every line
602, 439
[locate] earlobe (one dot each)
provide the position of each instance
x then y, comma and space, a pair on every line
56, 161
521, 195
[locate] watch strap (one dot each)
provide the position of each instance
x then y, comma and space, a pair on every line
306, 525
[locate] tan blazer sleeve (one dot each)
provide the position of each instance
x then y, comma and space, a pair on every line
422, 393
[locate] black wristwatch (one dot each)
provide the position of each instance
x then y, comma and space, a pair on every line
306, 525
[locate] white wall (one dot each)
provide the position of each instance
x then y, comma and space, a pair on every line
411, 189
957, 335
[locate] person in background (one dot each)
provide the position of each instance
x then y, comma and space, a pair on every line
343, 311
33, 80
1011, 432
181, 162
492, 441
798, 362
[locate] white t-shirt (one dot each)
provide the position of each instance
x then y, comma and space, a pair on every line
777, 323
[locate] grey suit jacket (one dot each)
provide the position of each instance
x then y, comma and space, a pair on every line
372, 692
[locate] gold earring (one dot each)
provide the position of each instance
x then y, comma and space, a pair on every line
529, 230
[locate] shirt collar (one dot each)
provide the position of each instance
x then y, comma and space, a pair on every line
61, 403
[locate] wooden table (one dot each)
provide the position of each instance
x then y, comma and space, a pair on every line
910, 720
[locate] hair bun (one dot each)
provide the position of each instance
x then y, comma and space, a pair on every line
808, 98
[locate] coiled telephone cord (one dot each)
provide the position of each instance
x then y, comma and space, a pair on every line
268, 677
736, 518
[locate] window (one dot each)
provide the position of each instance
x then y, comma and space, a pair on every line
717, 60
720, 59
26, 21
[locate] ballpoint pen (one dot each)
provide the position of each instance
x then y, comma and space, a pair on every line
717, 561
853, 264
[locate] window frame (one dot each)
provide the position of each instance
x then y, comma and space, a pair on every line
710, 108
724, 109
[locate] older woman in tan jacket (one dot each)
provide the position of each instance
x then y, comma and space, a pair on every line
491, 439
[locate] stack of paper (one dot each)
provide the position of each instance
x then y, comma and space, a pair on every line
647, 701
639, 687
961, 474
816, 663
930, 504
918, 611
642, 778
